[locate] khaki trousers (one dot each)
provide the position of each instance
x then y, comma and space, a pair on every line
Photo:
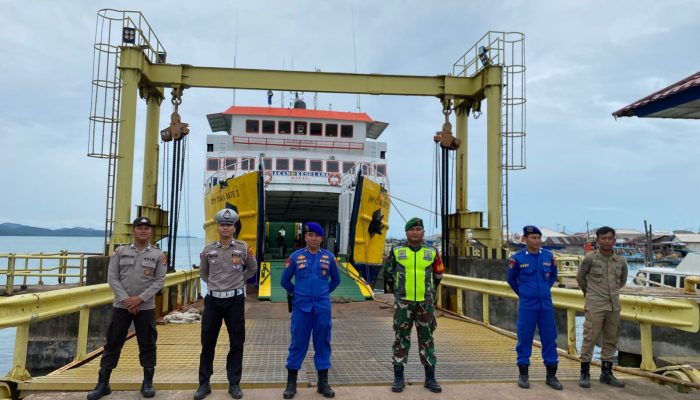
600, 322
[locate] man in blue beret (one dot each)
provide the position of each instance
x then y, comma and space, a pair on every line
315, 274
531, 274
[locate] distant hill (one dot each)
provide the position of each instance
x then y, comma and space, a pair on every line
8, 229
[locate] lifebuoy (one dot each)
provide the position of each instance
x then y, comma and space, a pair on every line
267, 178
640, 279
334, 179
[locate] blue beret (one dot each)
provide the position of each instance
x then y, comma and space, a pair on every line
528, 229
315, 228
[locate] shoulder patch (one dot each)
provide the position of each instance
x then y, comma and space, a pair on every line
511, 263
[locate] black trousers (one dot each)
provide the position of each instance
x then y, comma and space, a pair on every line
232, 312
146, 335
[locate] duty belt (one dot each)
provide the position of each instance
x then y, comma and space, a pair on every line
226, 295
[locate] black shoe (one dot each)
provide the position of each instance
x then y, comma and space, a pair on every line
102, 388
552, 380
430, 382
202, 392
291, 388
523, 378
235, 391
147, 389
585, 380
606, 375
399, 383
323, 387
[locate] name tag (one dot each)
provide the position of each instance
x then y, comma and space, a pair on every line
524, 265
402, 254
427, 255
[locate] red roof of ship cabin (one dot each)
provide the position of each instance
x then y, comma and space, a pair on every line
298, 113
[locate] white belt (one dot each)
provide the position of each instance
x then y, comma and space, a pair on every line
226, 295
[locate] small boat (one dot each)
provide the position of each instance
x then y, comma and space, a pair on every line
667, 276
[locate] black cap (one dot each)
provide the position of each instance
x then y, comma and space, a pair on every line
142, 221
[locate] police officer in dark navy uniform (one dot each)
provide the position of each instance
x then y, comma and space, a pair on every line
225, 266
136, 273
531, 274
315, 274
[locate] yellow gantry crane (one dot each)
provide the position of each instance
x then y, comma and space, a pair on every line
141, 76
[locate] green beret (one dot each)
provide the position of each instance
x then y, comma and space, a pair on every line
414, 222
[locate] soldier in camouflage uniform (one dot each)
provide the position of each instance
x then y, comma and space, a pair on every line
413, 271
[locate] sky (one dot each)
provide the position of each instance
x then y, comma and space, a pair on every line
584, 60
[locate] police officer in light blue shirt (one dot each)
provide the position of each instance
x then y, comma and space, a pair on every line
315, 274
531, 274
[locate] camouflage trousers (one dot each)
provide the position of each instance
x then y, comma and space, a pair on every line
405, 314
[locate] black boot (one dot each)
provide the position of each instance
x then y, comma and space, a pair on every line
585, 380
291, 388
202, 392
102, 388
552, 380
323, 387
606, 375
399, 383
523, 378
430, 381
235, 391
147, 389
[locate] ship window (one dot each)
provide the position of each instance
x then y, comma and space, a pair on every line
252, 126
284, 127
346, 131
210, 147
682, 282
316, 129
382, 154
332, 130
655, 278
316, 165
299, 165
332, 166
212, 164
282, 164
230, 164
670, 280
268, 126
347, 166
365, 169
300, 127
247, 164
381, 170
267, 163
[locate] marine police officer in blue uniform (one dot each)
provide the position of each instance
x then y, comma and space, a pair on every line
531, 274
315, 274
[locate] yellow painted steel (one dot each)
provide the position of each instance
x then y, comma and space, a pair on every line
571, 331
83, 325
365, 288
125, 163
265, 286
61, 265
493, 165
462, 179
19, 361
682, 314
369, 249
35, 307
242, 193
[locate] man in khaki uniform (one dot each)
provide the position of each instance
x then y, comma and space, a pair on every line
136, 273
601, 276
225, 266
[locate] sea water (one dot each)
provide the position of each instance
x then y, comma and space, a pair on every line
186, 254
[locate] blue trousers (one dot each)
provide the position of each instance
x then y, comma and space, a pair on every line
528, 319
303, 323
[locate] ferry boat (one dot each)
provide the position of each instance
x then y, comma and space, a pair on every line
279, 168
